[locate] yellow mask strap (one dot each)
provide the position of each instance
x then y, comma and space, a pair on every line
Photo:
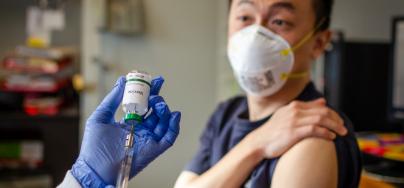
285, 76
304, 40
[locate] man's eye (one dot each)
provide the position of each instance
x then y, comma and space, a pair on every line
279, 22
244, 18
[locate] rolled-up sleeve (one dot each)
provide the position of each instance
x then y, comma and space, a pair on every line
349, 157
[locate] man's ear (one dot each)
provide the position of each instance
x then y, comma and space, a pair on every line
322, 39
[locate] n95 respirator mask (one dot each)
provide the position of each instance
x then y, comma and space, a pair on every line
261, 60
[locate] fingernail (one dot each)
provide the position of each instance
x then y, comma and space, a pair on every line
320, 100
342, 131
345, 131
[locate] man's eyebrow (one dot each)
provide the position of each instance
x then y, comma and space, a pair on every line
245, 2
282, 5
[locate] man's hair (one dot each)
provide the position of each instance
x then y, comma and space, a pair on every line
323, 10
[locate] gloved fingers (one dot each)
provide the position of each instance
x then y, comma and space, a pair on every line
164, 114
157, 104
151, 121
154, 99
173, 128
156, 85
105, 112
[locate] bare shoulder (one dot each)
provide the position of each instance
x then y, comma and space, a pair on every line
310, 145
310, 163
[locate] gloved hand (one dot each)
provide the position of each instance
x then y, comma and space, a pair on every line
102, 149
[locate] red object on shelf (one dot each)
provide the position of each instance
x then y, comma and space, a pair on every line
31, 111
35, 111
378, 151
34, 106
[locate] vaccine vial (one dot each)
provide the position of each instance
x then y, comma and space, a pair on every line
136, 94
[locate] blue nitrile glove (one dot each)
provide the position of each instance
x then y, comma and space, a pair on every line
102, 149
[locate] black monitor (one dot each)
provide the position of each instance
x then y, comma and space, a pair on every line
396, 73
356, 82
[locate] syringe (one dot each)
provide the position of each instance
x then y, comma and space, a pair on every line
124, 172
135, 106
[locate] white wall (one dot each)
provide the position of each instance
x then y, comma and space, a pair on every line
366, 20
180, 44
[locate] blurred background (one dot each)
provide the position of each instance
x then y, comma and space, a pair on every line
53, 77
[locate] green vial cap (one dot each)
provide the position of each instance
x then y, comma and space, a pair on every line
133, 117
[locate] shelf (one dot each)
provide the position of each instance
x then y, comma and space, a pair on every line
60, 135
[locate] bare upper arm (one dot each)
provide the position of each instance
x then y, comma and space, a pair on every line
310, 163
185, 178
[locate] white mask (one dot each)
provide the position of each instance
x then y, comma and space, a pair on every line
261, 60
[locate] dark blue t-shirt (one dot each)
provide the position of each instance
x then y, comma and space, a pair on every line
230, 123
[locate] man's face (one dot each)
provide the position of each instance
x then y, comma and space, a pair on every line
291, 19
